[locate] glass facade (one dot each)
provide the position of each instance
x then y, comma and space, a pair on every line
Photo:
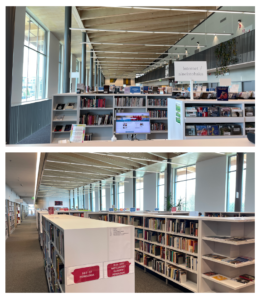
160, 191
139, 193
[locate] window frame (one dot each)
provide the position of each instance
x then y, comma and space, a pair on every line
157, 187
142, 203
44, 54
60, 70
118, 194
186, 180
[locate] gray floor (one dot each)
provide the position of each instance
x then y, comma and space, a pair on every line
24, 260
25, 271
42, 136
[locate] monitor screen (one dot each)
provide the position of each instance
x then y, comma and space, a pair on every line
132, 123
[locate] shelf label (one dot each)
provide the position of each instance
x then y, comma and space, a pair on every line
132, 209
84, 273
156, 209
137, 209
110, 209
173, 209
190, 70
135, 90
117, 269
178, 109
77, 133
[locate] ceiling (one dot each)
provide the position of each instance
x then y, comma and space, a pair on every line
61, 172
20, 174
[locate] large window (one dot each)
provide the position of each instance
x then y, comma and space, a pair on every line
93, 200
231, 183
185, 187
103, 199
121, 195
34, 64
60, 70
160, 191
139, 193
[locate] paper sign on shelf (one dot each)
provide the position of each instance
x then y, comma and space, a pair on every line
121, 209
110, 209
119, 243
118, 268
137, 209
156, 209
84, 273
132, 209
135, 90
190, 70
51, 210
77, 133
173, 209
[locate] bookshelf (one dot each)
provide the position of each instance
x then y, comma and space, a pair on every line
104, 132
39, 215
18, 214
6, 219
104, 264
11, 217
178, 129
228, 214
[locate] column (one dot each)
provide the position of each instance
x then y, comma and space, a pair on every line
134, 188
87, 77
91, 71
69, 199
83, 77
73, 201
83, 198
99, 76
95, 74
90, 197
239, 176
100, 194
168, 181
67, 49
114, 191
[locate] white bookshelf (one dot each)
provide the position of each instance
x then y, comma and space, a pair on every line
228, 214
11, 217
6, 220
177, 130
81, 251
39, 214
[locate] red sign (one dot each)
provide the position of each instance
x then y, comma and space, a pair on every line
173, 209
82, 215
51, 210
137, 209
86, 274
117, 269
66, 209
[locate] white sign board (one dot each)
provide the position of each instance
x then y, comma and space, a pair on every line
77, 133
191, 70
225, 81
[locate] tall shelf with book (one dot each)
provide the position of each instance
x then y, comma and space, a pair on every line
6, 220
11, 217
228, 214
18, 214
99, 263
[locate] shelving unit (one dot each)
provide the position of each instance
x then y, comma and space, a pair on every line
39, 215
11, 217
102, 132
177, 131
92, 269
228, 214
6, 220
18, 214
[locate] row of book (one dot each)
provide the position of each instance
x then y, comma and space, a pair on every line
85, 102
88, 136
157, 102
135, 221
233, 261
177, 274
212, 130
139, 233
182, 258
60, 270
90, 119
122, 220
130, 101
215, 111
139, 256
158, 126
155, 264
183, 226
139, 245
111, 218
158, 224
244, 278
63, 106
103, 218
59, 241
158, 113
153, 236
182, 243
155, 250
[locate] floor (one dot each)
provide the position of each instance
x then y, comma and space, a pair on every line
25, 271
42, 136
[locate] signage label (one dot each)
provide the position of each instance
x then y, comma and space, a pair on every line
77, 133
173, 209
190, 70
156, 209
110, 209
117, 269
88, 273
132, 209
135, 89
51, 210
137, 209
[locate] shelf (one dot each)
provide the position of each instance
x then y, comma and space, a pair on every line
213, 137
137, 249
182, 266
250, 241
155, 243
158, 118
61, 131
156, 256
158, 131
229, 264
182, 234
214, 120
129, 106
161, 107
190, 285
180, 250
65, 119
97, 126
229, 283
63, 110
140, 227
151, 229
96, 108
249, 119
140, 239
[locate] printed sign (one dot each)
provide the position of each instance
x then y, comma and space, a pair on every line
84, 273
156, 209
190, 70
117, 269
126, 89
115, 209
121, 209
132, 209
51, 210
137, 209
178, 113
110, 209
135, 89
77, 133
173, 209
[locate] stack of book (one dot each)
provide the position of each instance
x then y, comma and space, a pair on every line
158, 266
129, 101
152, 223
191, 262
177, 274
183, 226
233, 261
157, 102
176, 257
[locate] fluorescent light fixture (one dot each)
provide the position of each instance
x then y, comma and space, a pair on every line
156, 32
151, 58
146, 45
161, 53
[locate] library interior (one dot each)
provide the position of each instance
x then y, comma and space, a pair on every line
130, 76
130, 222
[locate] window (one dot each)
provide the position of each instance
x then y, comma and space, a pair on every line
60, 70
139, 193
185, 187
231, 183
121, 195
93, 200
34, 64
77, 80
160, 191
80, 197
103, 199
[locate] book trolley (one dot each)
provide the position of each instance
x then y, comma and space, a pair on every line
83, 255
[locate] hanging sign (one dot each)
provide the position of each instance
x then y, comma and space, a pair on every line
190, 70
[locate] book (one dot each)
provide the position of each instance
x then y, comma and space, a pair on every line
222, 93
190, 130
68, 127
210, 273
58, 128
190, 112
59, 118
213, 129
225, 129
241, 280
247, 277
220, 277
236, 129
236, 112
202, 111
213, 111
60, 106
225, 111
70, 106
201, 130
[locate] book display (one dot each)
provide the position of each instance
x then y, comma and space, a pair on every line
106, 262
209, 118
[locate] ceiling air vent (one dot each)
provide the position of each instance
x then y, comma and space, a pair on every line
223, 20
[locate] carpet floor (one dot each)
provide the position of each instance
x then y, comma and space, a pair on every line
24, 260
25, 270
42, 136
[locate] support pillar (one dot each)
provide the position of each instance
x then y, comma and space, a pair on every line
83, 198
69, 199
100, 195
99, 76
91, 71
239, 176
83, 77
73, 200
67, 49
114, 192
168, 181
91, 197
134, 188
95, 74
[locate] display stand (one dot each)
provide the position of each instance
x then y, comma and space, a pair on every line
76, 261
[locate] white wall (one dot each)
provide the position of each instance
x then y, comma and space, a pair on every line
49, 202
18, 56
73, 69
250, 183
150, 195
53, 75
10, 194
128, 190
